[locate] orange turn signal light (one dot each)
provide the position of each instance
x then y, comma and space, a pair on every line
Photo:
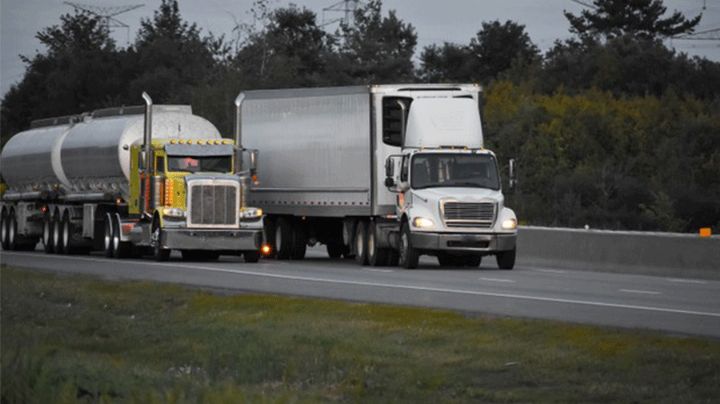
265, 249
705, 232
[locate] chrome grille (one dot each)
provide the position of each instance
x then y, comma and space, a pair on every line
466, 214
213, 205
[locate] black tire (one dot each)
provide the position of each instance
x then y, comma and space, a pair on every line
335, 250
160, 254
12, 231
409, 256
377, 257
360, 243
58, 242
283, 239
251, 257
4, 229
506, 259
299, 241
47, 234
108, 236
66, 234
121, 249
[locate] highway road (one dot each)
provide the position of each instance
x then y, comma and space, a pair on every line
674, 305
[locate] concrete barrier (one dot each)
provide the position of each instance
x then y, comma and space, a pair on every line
643, 253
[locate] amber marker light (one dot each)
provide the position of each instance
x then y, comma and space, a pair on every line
705, 232
265, 250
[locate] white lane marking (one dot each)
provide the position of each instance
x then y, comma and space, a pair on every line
550, 271
377, 270
391, 286
640, 292
677, 280
497, 280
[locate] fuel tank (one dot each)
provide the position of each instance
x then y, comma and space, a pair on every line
91, 153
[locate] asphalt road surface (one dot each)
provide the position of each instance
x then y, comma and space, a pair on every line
682, 306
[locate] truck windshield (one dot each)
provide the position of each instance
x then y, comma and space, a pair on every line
454, 170
195, 164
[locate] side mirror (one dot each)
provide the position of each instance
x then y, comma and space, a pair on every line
253, 161
512, 173
389, 167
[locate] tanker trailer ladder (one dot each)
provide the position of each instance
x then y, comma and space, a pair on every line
129, 181
380, 173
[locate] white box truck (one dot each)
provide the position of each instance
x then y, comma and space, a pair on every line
384, 173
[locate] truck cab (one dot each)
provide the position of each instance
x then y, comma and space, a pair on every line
449, 197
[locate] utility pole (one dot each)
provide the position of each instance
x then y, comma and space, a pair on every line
107, 14
347, 7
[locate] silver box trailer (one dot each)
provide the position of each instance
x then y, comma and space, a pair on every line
328, 152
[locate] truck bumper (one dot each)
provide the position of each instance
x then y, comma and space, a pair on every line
463, 242
214, 240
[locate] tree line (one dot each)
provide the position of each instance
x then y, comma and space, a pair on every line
610, 128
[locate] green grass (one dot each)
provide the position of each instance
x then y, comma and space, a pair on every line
72, 338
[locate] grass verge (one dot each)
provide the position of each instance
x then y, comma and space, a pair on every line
73, 338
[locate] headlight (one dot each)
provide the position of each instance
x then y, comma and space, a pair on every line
423, 222
251, 213
509, 224
173, 212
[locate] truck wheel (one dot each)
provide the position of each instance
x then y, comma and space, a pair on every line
283, 239
57, 233
121, 249
108, 239
4, 229
12, 231
377, 257
160, 254
506, 259
335, 250
361, 243
251, 256
409, 256
47, 233
270, 227
299, 241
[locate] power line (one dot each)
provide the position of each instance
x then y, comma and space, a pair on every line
107, 14
347, 7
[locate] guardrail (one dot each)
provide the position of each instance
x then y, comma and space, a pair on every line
643, 253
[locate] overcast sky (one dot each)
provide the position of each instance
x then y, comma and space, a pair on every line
435, 21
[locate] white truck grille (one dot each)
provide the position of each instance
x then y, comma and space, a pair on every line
469, 214
213, 204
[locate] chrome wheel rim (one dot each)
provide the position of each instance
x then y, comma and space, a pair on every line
108, 234
116, 237
56, 235
66, 233
3, 229
371, 243
359, 244
46, 232
11, 230
278, 239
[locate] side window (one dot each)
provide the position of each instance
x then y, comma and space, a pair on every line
393, 119
159, 164
404, 169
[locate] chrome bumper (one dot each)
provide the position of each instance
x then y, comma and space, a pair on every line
463, 242
214, 240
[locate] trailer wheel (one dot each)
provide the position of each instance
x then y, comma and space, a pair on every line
377, 257
12, 231
283, 239
121, 249
299, 241
108, 236
251, 256
4, 229
361, 243
506, 259
409, 256
66, 236
47, 233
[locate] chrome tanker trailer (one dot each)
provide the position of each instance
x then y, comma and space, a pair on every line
129, 181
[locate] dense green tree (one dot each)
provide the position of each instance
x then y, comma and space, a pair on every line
495, 49
79, 70
640, 18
